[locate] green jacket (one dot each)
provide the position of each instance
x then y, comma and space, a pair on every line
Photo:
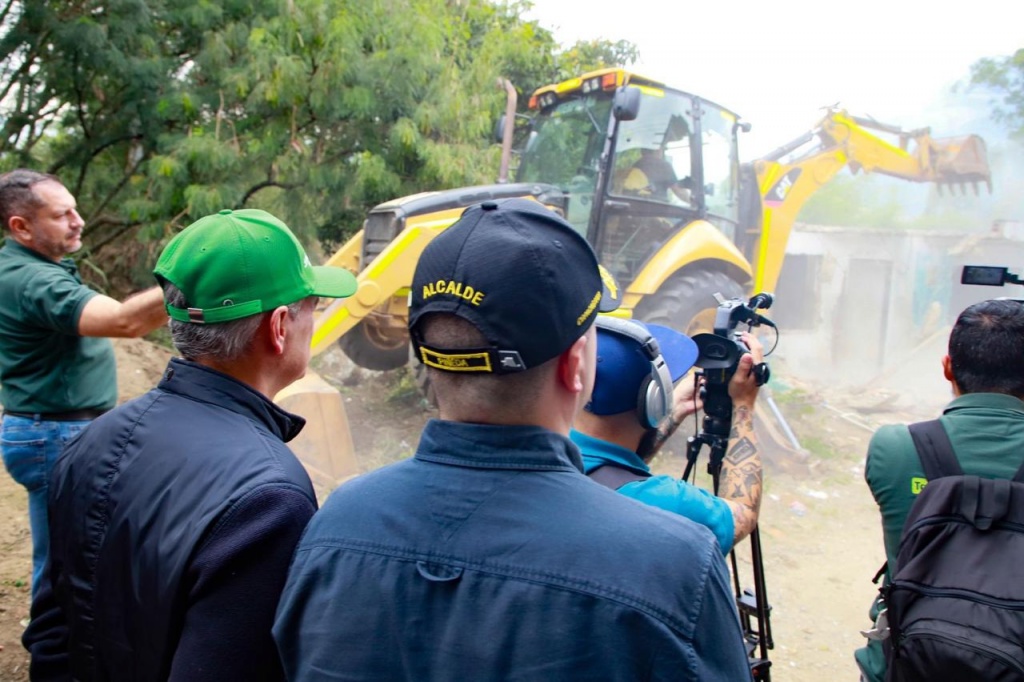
987, 433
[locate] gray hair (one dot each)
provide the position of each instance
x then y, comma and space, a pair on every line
225, 341
18, 195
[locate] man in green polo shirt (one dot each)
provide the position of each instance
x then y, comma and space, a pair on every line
984, 422
57, 368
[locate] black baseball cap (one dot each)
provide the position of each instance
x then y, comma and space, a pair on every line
521, 275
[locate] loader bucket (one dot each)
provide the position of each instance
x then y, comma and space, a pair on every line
961, 160
325, 444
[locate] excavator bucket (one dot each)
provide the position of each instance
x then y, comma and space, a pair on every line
325, 445
961, 161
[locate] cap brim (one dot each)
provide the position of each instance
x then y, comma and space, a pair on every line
610, 292
679, 350
332, 282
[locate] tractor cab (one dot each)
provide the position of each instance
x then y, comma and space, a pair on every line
637, 161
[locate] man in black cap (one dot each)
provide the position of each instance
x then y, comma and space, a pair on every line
489, 555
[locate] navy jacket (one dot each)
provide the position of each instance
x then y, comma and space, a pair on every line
172, 522
490, 556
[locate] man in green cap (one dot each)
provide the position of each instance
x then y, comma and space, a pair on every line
174, 516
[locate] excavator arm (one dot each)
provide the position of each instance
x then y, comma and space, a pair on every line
325, 445
387, 278
841, 140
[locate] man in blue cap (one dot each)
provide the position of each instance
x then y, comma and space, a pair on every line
634, 410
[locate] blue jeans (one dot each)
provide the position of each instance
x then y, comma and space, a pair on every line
30, 448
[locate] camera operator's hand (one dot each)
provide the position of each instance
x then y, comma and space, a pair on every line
741, 469
743, 386
686, 400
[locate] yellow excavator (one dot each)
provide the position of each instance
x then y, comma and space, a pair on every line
651, 176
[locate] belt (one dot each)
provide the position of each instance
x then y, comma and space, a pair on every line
72, 416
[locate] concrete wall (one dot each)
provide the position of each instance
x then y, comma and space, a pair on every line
867, 307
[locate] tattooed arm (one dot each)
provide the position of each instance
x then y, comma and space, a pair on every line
741, 479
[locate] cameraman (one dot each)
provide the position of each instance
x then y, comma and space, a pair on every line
615, 436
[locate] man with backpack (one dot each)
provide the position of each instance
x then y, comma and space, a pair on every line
952, 608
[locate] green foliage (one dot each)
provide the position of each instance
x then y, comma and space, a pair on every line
818, 447
851, 201
1004, 76
586, 55
879, 201
157, 112
797, 401
402, 389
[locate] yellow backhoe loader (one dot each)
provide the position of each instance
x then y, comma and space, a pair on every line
699, 224
651, 176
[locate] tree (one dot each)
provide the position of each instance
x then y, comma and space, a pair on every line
1005, 77
156, 112
852, 201
96, 90
876, 200
586, 55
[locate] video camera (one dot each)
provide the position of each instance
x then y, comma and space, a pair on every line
719, 356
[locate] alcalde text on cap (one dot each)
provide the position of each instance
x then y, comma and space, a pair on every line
463, 291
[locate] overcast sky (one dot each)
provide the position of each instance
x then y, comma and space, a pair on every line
777, 63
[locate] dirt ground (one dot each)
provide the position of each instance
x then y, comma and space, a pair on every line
820, 531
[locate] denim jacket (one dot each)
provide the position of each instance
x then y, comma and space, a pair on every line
490, 556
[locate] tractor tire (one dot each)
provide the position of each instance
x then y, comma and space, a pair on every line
686, 301
372, 351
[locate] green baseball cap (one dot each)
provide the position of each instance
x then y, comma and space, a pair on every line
234, 264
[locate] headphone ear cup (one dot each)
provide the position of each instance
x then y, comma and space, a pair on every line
643, 402
651, 404
654, 399
660, 395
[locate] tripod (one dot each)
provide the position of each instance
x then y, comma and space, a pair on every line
752, 605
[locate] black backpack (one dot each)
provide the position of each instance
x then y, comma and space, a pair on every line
956, 599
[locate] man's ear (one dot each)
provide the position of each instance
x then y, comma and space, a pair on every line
947, 371
17, 226
572, 365
277, 326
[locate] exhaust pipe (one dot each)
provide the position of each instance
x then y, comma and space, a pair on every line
510, 124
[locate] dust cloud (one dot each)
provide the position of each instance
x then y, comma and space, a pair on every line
866, 301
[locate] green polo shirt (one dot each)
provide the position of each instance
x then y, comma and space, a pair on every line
45, 366
987, 434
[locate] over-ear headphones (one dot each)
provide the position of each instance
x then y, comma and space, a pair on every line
654, 399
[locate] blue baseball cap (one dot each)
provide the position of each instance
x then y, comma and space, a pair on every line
622, 366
